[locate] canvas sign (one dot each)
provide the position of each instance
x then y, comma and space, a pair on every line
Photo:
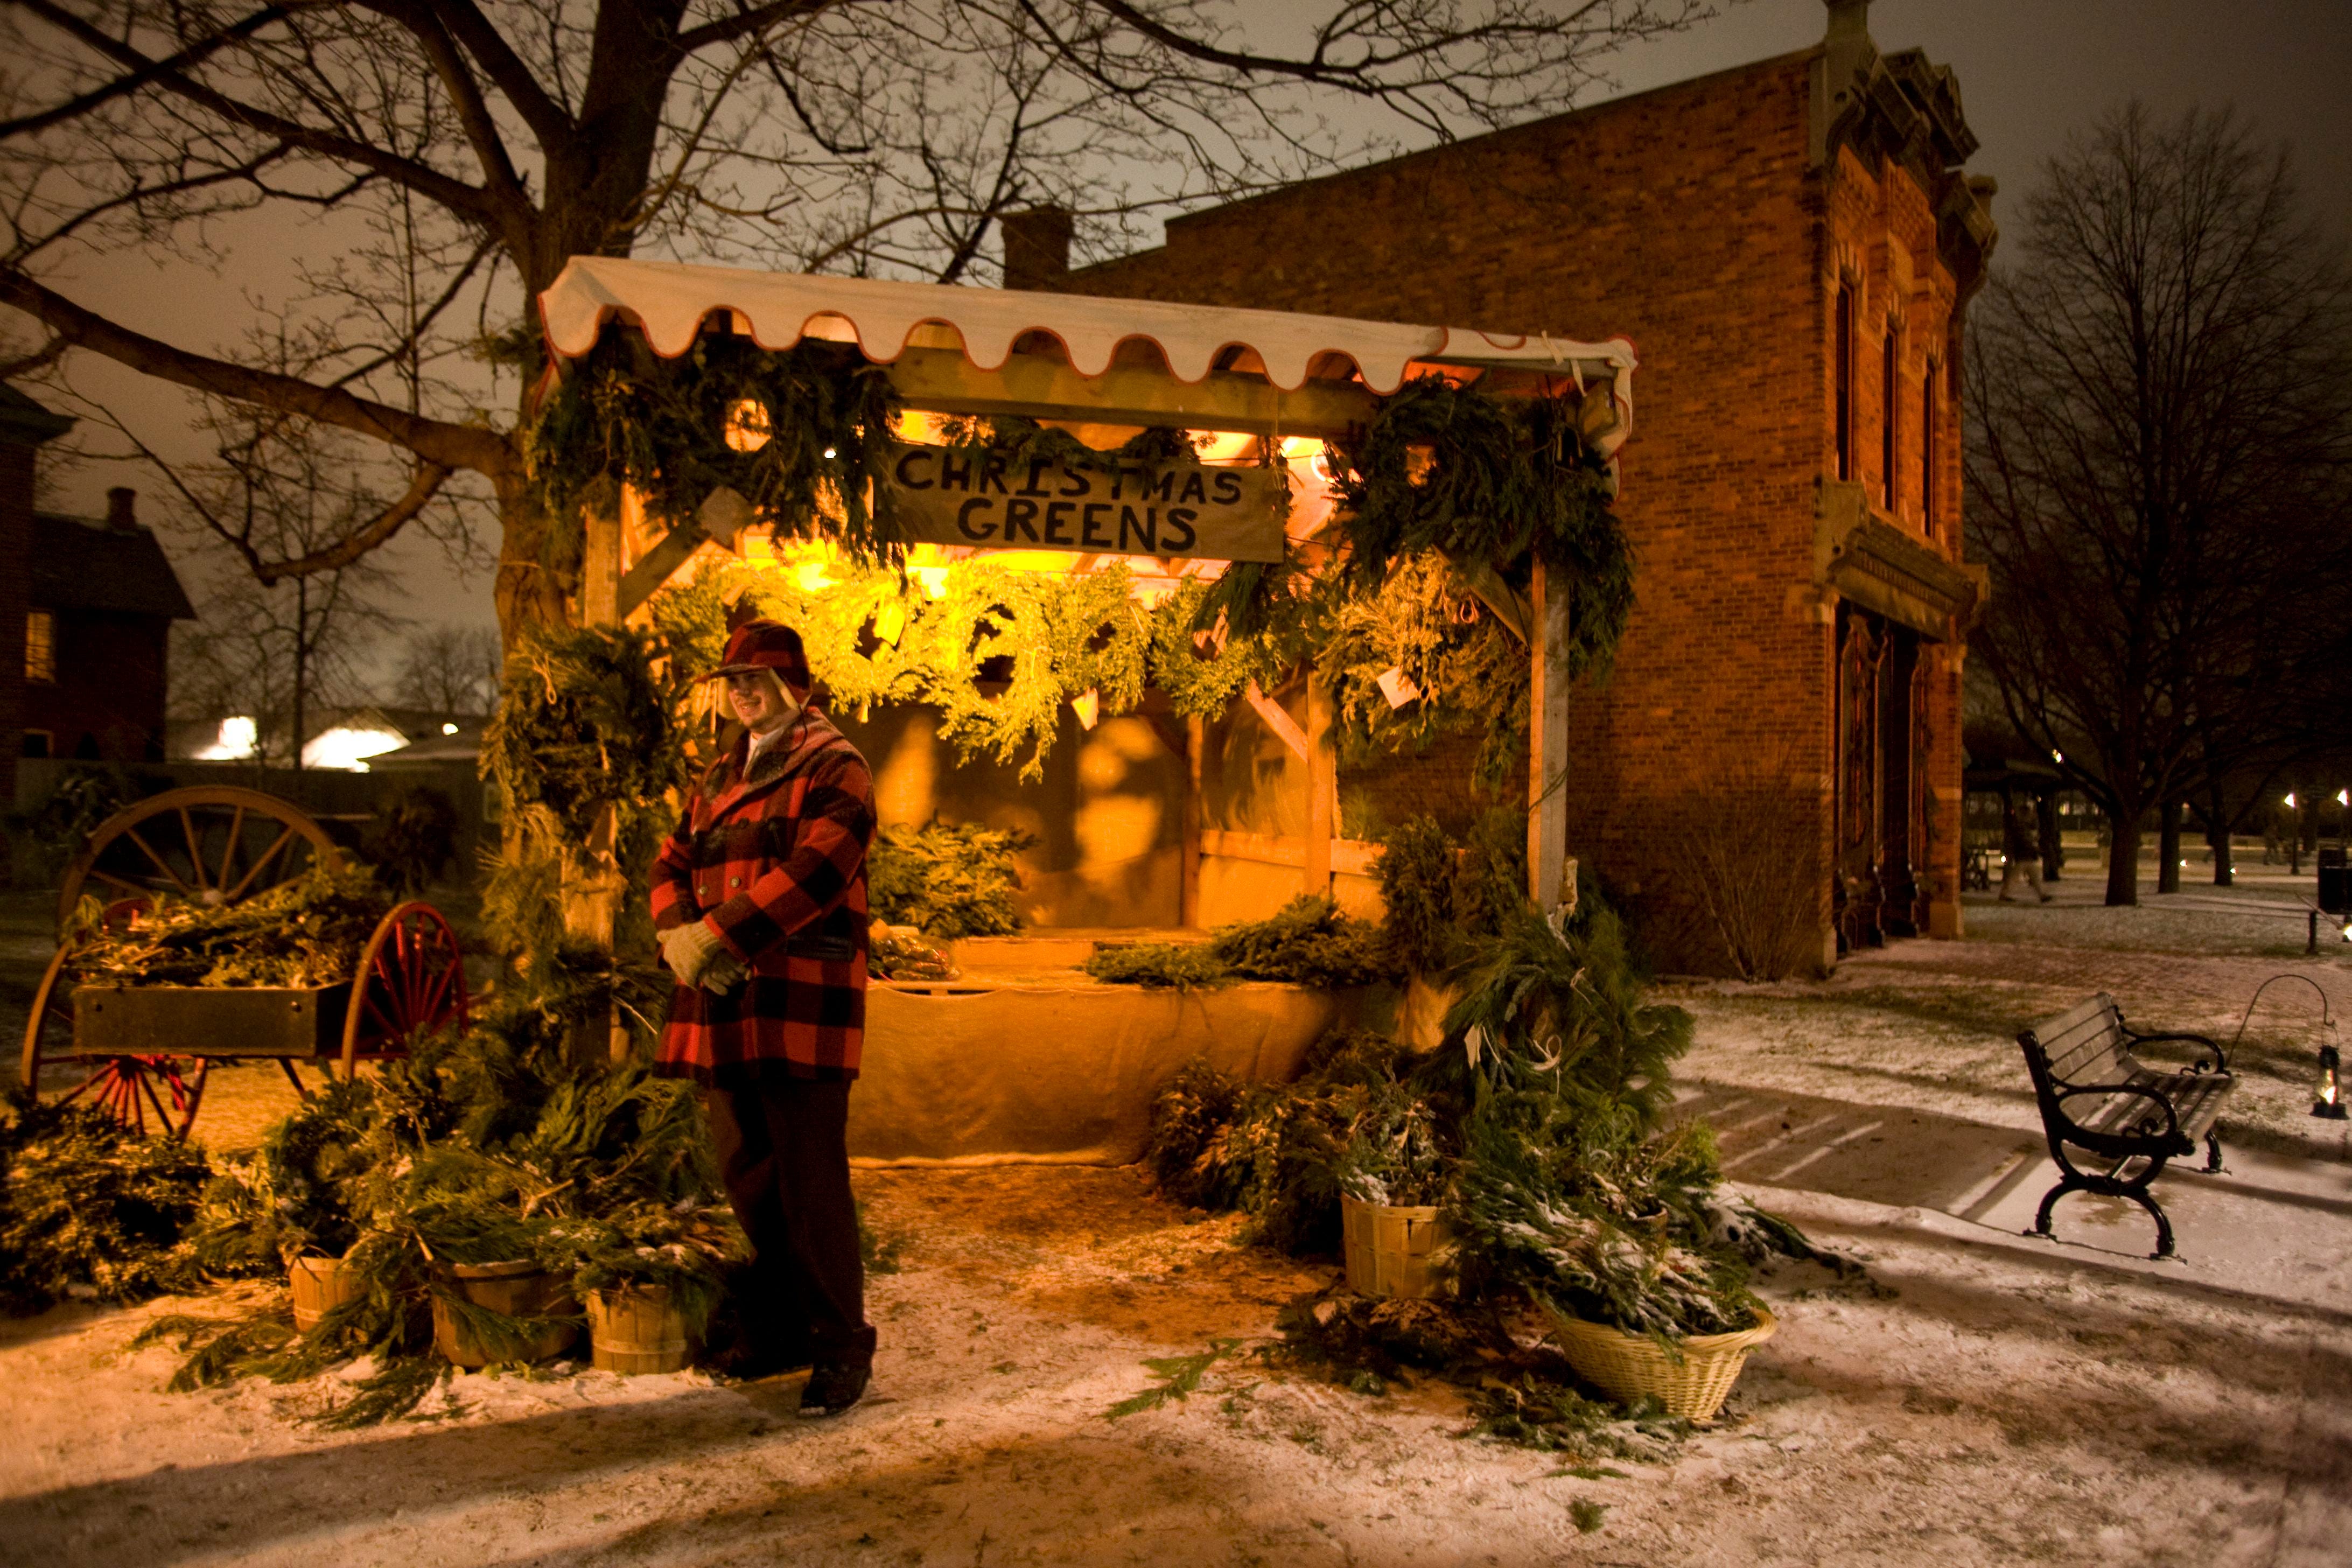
946, 495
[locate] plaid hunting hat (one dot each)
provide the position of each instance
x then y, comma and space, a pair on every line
766, 645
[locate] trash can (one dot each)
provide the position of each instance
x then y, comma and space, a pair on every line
2334, 886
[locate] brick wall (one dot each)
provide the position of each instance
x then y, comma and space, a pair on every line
16, 546
108, 700
1691, 220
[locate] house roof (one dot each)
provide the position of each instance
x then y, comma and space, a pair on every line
80, 566
670, 301
26, 422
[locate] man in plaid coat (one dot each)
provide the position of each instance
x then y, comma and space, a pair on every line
759, 900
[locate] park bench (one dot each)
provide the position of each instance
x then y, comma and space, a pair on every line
2097, 1098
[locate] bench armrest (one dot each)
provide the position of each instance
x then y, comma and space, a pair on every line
2221, 1058
2171, 1117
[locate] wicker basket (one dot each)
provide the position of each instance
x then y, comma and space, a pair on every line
1628, 1366
1388, 1246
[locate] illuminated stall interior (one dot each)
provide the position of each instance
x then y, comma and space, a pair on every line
1144, 820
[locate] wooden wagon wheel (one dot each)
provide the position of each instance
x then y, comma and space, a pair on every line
410, 981
125, 1087
213, 845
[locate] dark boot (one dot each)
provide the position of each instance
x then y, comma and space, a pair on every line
835, 1387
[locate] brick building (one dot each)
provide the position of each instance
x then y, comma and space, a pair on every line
86, 613
1791, 244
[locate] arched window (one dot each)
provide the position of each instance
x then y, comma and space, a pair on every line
1887, 424
1928, 449
1841, 374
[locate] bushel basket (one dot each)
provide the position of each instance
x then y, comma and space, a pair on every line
1629, 1367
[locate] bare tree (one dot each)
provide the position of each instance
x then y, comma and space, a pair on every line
447, 669
483, 142
2160, 401
276, 652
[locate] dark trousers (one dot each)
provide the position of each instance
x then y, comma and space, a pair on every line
783, 1154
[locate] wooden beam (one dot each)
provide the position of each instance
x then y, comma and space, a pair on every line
1548, 749
1349, 857
600, 573
1196, 734
1036, 387
1278, 720
1322, 788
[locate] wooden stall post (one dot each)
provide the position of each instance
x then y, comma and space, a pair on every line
1196, 740
1547, 863
1322, 788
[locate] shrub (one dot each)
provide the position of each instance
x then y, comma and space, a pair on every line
1747, 853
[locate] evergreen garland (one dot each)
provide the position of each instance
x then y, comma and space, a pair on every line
1000, 653
1471, 673
588, 720
621, 415
1483, 480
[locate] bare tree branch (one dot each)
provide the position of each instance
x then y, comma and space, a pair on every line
447, 446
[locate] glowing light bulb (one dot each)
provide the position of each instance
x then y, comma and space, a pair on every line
2290, 800
828, 452
448, 729
746, 426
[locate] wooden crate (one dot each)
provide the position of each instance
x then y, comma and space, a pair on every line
300, 1021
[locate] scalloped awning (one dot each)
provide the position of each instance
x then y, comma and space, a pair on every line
670, 301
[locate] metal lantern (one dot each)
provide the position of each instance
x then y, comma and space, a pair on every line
2329, 1106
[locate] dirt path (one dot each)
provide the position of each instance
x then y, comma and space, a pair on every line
1981, 1406
1984, 1400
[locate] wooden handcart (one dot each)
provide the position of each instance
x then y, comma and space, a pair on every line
133, 1049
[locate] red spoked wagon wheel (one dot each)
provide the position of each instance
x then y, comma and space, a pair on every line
211, 844
410, 981
126, 1087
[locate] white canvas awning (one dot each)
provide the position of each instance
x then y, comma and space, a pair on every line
669, 301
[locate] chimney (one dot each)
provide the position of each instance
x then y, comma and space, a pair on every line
1037, 247
121, 513
1849, 20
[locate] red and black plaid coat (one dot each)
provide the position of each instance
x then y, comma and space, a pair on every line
776, 865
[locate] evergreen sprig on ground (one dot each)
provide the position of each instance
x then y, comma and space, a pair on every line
1308, 943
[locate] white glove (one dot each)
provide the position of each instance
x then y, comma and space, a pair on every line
690, 949
723, 973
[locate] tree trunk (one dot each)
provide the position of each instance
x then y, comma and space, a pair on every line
301, 664
2217, 835
538, 569
2167, 848
2045, 820
2123, 858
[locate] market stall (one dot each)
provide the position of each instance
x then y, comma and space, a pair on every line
1025, 516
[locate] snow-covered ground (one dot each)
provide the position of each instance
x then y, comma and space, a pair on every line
1983, 1398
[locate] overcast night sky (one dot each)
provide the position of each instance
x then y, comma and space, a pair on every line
2031, 72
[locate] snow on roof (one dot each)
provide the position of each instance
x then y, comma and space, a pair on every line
669, 301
